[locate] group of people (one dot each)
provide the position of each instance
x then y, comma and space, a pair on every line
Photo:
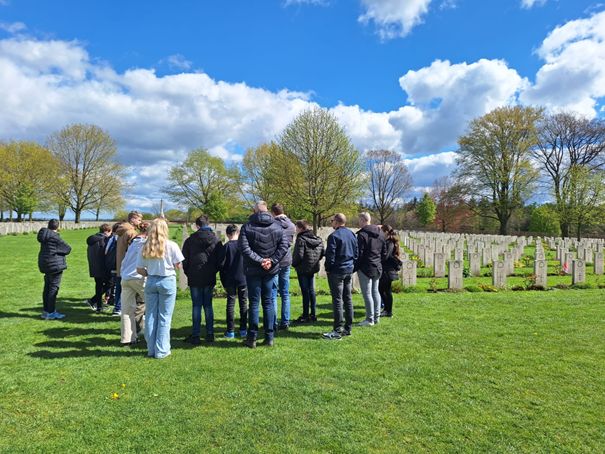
134, 264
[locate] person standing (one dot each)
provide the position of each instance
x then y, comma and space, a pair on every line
283, 275
125, 233
158, 261
263, 244
52, 263
372, 252
200, 265
341, 255
308, 252
115, 289
231, 266
390, 269
96, 265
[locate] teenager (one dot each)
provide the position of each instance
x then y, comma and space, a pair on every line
391, 266
125, 233
115, 289
372, 252
231, 266
200, 265
158, 261
96, 265
308, 251
341, 255
133, 288
52, 263
283, 275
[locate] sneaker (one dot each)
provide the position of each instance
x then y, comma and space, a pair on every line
283, 326
91, 304
116, 313
44, 315
229, 334
243, 333
332, 335
313, 318
366, 323
55, 316
250, 343
345, 333
268, 343
193, 340
303, 319
386, 314
209, 337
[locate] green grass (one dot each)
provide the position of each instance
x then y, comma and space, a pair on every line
451, 372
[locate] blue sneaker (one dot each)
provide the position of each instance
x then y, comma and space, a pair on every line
243, 333
44, 315
229, 334
55, 316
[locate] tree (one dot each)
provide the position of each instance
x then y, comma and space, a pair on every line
494, 159
451, 209
202, 181
86, 156
109, 197
317, 169
586, 197
544, 219
567, 142
255, 173
389, 181
425, 210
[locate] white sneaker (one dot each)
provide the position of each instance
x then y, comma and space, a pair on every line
366, 323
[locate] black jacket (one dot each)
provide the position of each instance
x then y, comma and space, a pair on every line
308, 251
289, 231
231, 265
201, 252
96, 255
391, 265
372, 251
261, 237
53, 250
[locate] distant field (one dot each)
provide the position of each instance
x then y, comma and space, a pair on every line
451, 372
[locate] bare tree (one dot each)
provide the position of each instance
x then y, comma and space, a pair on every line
567, 143
450, 203
389, 181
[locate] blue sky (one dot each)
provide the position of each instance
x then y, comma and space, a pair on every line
165, 77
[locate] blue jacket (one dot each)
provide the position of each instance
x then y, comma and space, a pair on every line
261, 237
341, 251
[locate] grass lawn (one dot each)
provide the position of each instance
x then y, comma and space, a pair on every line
488, 372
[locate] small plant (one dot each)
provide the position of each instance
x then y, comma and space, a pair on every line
518, 288
562, 286
529, 281
396, 287
466, 272
488, 288
473, 289
433, 285
583, 286
527, 261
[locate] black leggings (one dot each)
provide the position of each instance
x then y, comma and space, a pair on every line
386, 293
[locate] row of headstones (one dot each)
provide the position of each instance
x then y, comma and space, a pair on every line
6, 228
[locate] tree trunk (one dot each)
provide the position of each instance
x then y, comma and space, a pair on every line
77, 215
1, 215
579, 231
564, 229
315, 223
19, 216
98, 213
10, 215
30, 216
503, 226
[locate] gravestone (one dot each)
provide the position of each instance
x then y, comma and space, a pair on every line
598, 263
578, 271
454, 275
567, 262
540, 272
499, 272
408, 273
509, 264
475, 264
458, 254
439, 265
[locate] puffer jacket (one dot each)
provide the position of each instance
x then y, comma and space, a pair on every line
308, 251
391, 264
96, 255
289, 231
201, 251
261, 237
372, 251
53, 250
126, 233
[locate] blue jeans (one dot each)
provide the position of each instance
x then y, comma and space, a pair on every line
160, 296
282, 285
307, 288
202, 297
260, 291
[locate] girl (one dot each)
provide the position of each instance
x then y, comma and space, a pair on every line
390, 270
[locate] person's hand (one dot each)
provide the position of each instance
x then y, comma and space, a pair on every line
266, 264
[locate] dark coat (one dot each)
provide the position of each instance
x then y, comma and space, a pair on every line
372, 251
341, 251
289, 231
261, 237
96, 255
53, 250
110, 254
391, 265
308, 251
231, 265
201, 251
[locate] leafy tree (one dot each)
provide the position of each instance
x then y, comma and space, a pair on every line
451, 209
544, 219
426, 210
586, 197
316, 168
256, 173
87, 163
494, 159
389, 181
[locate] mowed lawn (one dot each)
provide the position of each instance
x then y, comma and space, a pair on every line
451, 372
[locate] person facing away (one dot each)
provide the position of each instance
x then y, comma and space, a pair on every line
283, 275
341, 255
263, 244
200, 265
158, 261
96, 265
308, 252
231, 266
52, 263
124, 233
133, 288
372, 252
115, 289
391, 266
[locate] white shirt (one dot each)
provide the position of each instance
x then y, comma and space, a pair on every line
164, 266
128, 270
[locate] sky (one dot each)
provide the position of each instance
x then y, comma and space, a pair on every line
164, 78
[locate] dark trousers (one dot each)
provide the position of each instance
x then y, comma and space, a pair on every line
260, 292
101, 286
307, 288
51, 289
241, 293
386, 293
342, 301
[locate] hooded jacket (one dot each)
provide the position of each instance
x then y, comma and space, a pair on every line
96, 255
289, 231
262, 237
126, 233
372, 251
51, 258
231, 265
308, 251
201, 252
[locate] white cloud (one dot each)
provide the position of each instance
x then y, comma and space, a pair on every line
178, 61
527, 4
426, 169
394, 18
12, 27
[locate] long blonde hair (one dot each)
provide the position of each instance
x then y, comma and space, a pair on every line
157, 235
